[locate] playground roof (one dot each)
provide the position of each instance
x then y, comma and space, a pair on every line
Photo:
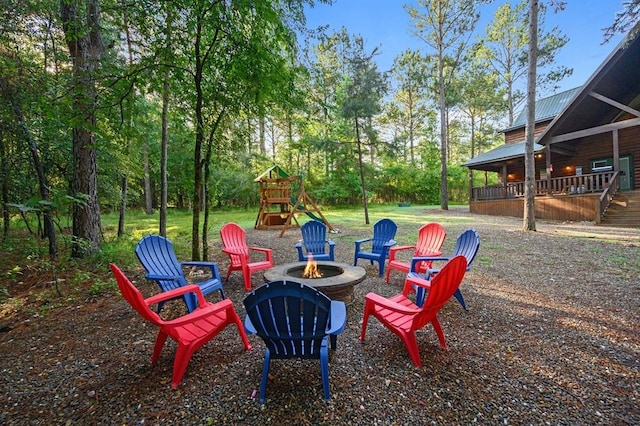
272, 172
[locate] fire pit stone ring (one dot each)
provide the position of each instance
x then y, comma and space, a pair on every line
337, 281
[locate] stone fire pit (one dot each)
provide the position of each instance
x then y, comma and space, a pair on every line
337, 281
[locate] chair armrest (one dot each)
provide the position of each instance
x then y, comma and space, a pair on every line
360, 242
202, 311
338, 313
398, 248
389, 304
331, 242
390, 243
418, 259
267, 251
172, 294
415, 280
432, 271
395, 249
162, 277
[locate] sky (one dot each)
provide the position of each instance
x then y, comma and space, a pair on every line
386, 25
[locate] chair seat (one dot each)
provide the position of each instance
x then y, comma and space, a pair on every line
260, 265
396, 319
199, 327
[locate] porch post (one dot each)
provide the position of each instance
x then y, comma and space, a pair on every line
504, 180
547, 156
616, 151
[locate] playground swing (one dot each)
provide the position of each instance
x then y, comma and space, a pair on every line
278, 206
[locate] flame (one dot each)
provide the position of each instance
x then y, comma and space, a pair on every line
311, 270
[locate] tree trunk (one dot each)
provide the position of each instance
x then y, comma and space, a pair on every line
473, 150
164, 149
365, 203
4, 177
529, 219
85, 47
163, 157
197, 175
444, 196
124, 189
25, 133
411, 129
123, 205
148, 199
263, 145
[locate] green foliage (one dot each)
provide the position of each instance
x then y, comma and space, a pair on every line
100, 287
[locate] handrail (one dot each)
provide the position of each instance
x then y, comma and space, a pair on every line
604, 200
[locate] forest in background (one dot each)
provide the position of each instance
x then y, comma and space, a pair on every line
109, 105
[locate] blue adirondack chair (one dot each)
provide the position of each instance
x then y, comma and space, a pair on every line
384, 232
314, 242
294, 321
467, 245
162, 266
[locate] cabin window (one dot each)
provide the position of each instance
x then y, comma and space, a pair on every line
599, 163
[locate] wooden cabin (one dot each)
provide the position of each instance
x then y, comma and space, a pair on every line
587, 151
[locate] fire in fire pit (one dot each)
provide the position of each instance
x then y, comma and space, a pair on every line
311, 270
334, 279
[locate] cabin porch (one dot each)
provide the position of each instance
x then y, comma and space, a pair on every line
568, 198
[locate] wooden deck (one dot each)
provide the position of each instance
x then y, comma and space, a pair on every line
567, 198
575, 208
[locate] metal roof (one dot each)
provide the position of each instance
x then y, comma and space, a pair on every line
502, 153
548, 107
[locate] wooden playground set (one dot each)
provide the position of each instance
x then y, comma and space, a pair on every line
278, 204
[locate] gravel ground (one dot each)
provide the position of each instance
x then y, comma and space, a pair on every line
551, 337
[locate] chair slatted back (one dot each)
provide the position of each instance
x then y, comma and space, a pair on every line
430, 239
290, 317
467, 245
134, 297
234, 237
314, 237
383, 231
443, 285
158, 257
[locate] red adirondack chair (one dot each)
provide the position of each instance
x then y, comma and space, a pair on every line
234, 241
190, 331
403, 317
430, 240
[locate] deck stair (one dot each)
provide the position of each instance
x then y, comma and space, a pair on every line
624, 210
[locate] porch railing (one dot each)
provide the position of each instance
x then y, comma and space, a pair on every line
605, 183
604, 200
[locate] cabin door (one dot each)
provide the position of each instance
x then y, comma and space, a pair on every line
625, 173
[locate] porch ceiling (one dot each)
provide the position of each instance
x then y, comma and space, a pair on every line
617, 79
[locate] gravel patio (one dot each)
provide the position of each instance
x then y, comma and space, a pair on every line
551, 337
